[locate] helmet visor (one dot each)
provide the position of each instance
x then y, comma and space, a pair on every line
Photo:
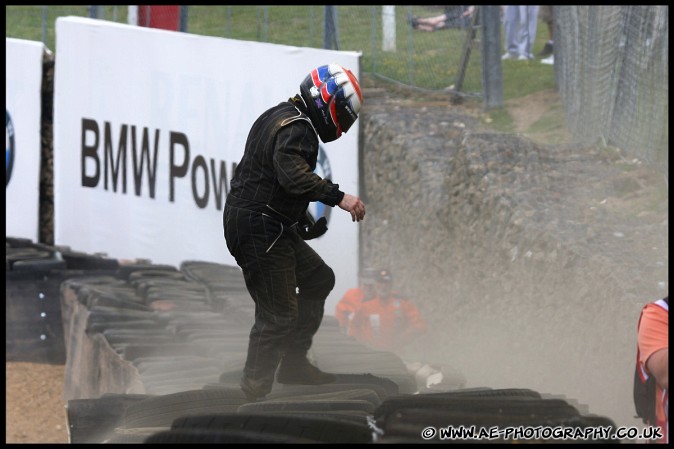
348, 100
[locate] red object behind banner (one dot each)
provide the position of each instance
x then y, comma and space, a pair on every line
164, 17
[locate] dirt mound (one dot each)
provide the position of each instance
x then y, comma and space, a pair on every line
530, 261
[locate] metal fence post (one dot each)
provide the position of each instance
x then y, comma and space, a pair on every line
374, 38
411, 50
132, 15
311, 25
262, 23
183, 19
229, 22
388, 19
44, 25
266, 23
492, 80
330, 39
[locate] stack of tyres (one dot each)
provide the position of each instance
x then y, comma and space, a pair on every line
34, 273
34, 332
184, 333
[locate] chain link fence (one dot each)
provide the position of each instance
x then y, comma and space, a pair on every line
612, 68
611, 61
391, 48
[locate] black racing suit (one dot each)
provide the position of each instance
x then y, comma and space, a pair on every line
289, 282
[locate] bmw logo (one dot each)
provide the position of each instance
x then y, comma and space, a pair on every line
323, 170
9, 153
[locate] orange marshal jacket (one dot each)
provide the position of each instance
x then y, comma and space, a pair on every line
347, 306
653, 336
387, 325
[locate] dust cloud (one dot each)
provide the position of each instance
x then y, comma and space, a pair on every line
529, 262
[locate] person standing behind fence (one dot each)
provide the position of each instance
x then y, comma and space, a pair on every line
545, 14
455, 16
520, 22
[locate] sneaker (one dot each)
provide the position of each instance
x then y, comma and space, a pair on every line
508, 56
547, 50
549, 61
302, 373
413, 21
522, 58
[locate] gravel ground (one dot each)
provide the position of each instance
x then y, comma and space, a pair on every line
35, 409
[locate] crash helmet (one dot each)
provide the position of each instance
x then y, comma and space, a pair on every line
333, 98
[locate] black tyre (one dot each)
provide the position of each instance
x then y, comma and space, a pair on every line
390, 386
142, 275
319, 429
90, 420
160, 411
124, 271
305, 406
39, 265
143, 349
434, 407
202, 436
122, 435
338, 395
421, 418
297, 390
114, 300
488, 392
82, 261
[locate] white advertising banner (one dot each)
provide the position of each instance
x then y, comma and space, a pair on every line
148, 127
23, 83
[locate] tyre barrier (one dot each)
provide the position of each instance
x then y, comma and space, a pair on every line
34, 326
34, 331
24, 254
173, 342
